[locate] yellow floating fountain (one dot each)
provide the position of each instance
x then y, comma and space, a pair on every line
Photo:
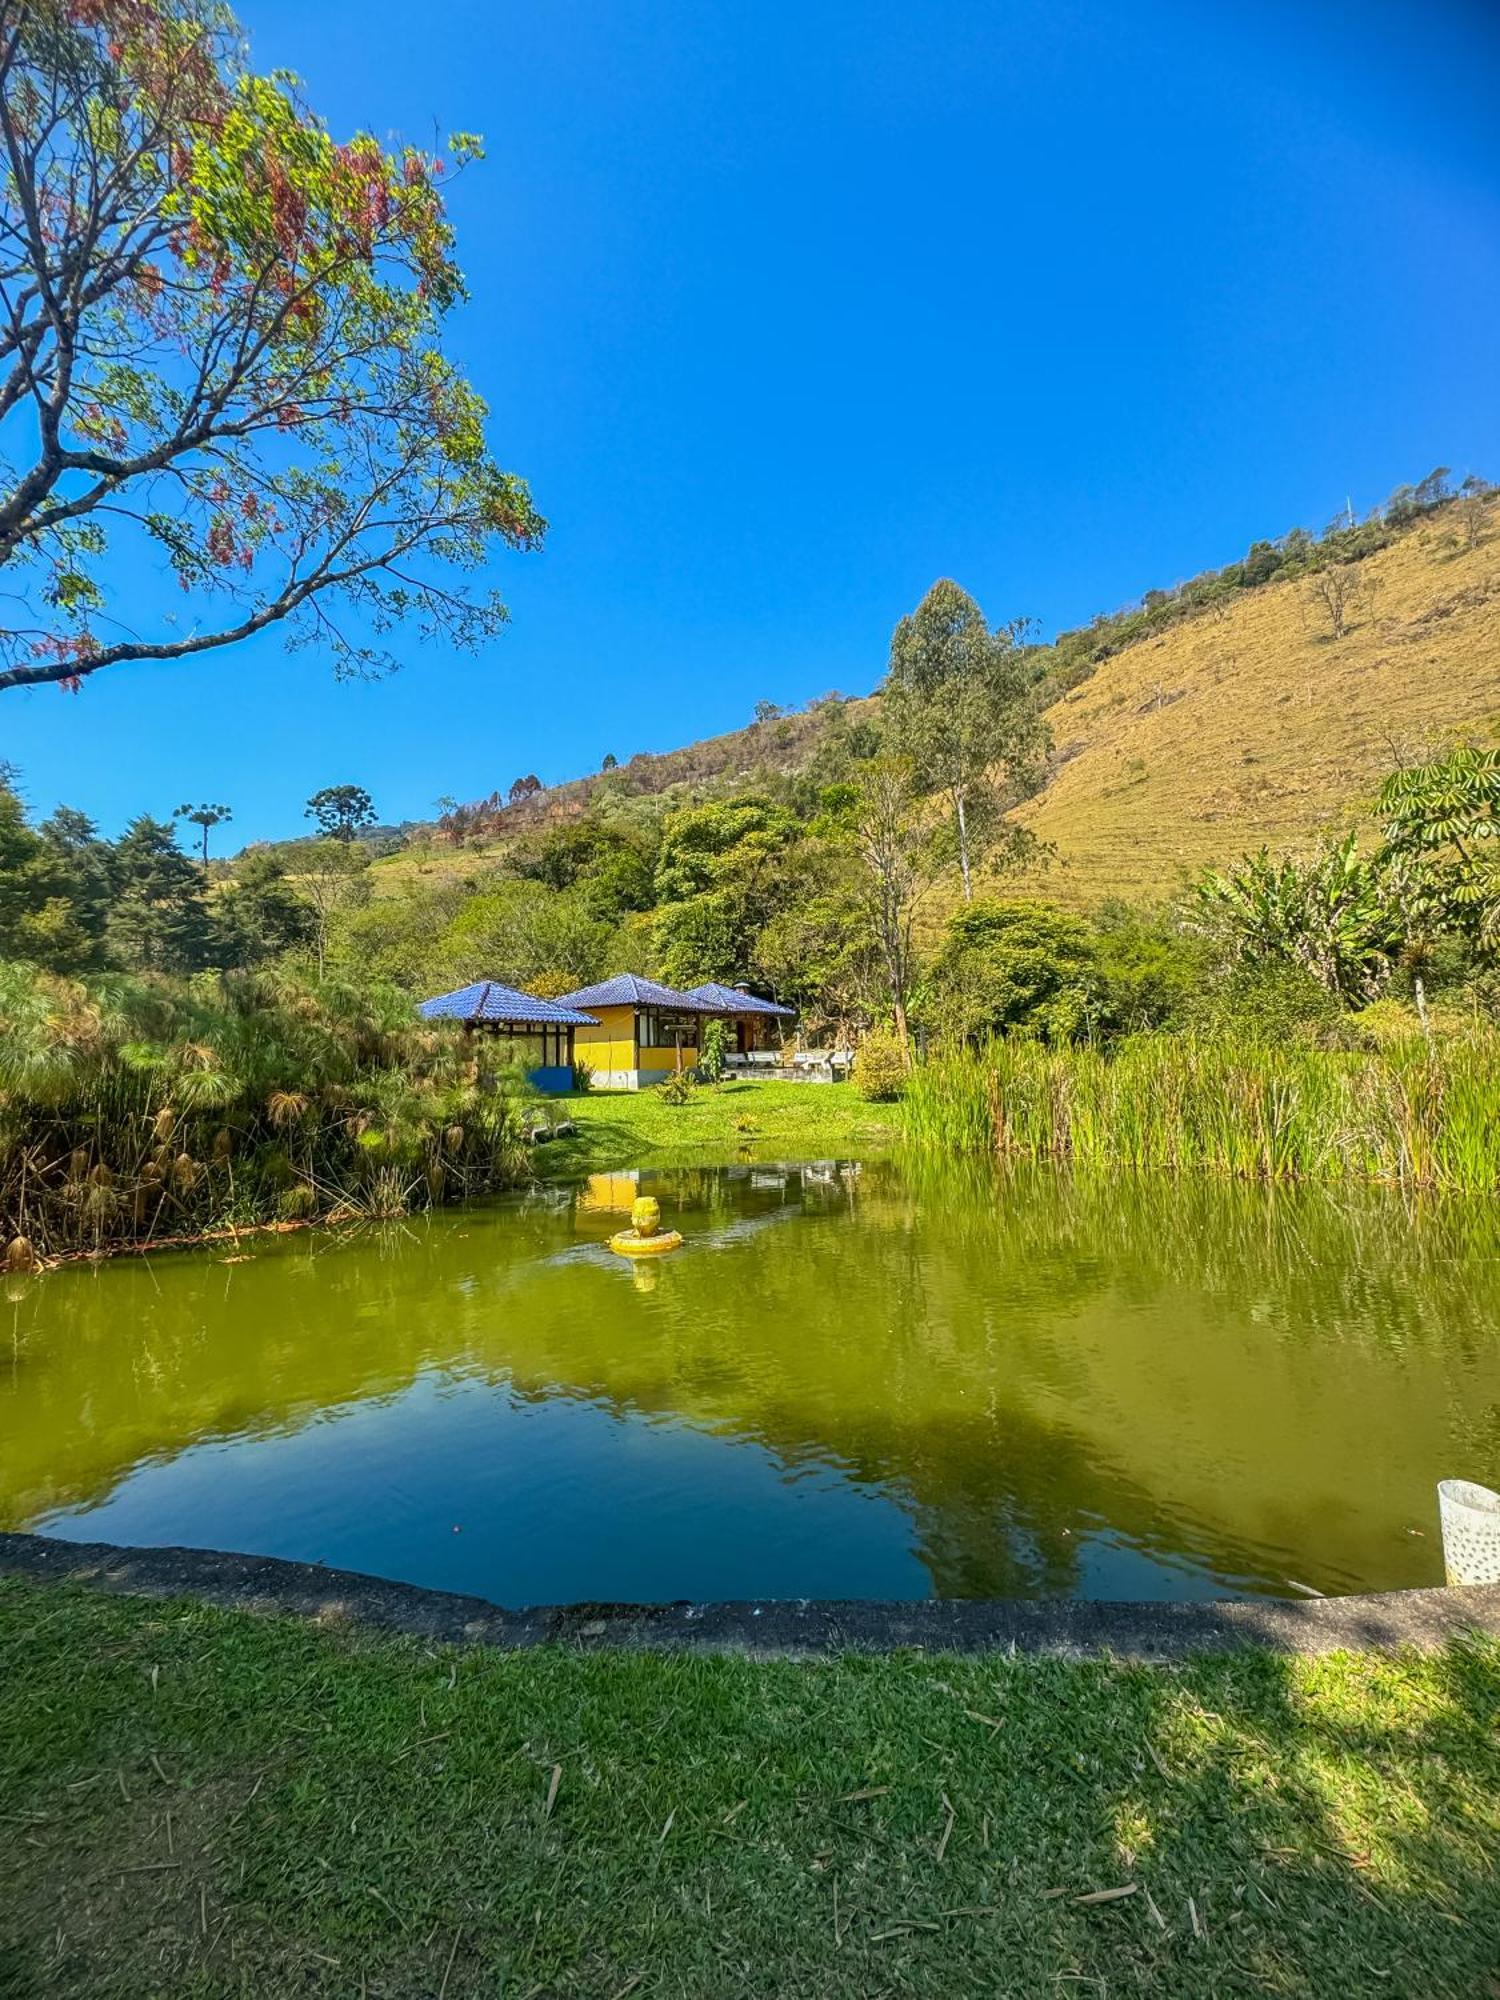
645, 1237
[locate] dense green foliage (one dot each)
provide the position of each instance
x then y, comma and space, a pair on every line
137, 1108
73, 902
182, 1783
1328, 916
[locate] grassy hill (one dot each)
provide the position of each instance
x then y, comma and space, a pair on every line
1243, 722
1250, 723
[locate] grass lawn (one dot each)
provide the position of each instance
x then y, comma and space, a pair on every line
745, 1116
204, 1802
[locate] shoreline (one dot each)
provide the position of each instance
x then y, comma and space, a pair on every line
617, 1131
1148, 1634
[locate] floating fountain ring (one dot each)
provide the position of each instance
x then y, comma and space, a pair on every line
645, 1237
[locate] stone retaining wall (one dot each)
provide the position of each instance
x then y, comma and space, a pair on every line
1057, 1628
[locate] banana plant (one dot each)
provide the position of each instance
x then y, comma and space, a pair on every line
1328, 915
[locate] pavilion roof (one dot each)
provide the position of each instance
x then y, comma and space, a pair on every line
488, 1000
734, 1000
627, 989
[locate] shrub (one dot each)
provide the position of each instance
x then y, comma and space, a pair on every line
714, 1052
1273, 1005
583, 1076
1018, 967
676, 1088
880, 1067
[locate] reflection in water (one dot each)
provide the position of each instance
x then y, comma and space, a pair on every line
851, 1381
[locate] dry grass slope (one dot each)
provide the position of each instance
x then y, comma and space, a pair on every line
1255, 725
1242, 725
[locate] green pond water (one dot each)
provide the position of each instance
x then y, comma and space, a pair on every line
854, 1380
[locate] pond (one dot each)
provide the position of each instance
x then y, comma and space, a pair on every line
854, 1380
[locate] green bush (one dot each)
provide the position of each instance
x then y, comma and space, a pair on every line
676, 1088
880, 1067
1275, 1005
137, 1108
1009, 968
714, 1052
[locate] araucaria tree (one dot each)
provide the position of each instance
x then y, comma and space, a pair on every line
205, 818
341, 810
960, 702
220, 347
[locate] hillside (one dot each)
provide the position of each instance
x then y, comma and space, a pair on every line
1242, 722
1251, 724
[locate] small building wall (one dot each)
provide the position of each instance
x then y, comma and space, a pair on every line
609, 1049
555, 1081
617, 1062
547, 1052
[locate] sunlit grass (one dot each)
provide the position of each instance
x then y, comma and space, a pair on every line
205, 1802
1247, 725
744, 1117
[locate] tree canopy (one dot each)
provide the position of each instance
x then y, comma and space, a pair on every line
962, 710
220, 357
341, 810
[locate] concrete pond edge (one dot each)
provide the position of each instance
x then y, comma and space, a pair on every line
1056, 1628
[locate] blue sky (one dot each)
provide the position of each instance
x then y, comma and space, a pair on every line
785, 311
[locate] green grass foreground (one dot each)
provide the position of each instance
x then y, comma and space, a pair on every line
741, 1117
203, 1802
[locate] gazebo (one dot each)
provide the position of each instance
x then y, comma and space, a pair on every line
751, 1015
547, 1027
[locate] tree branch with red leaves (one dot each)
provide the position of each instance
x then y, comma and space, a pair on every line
221, 360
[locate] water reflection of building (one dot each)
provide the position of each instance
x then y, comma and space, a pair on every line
609, 1194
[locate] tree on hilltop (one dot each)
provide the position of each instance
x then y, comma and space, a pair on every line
341, 810
205, 818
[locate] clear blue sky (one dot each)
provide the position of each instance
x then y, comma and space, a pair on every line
786, 310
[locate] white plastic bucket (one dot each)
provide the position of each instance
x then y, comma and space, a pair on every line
1470, 1516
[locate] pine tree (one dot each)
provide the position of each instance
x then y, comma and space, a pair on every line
159, 921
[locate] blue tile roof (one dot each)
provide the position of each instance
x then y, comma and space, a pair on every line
629, 991
730, 1000
488, 1000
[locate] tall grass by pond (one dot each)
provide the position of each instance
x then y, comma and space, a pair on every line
133, 1109
1407, 1114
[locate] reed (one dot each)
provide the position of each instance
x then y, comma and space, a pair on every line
134, 1109
1414, 1116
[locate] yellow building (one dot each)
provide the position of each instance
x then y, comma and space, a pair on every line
641, 1032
